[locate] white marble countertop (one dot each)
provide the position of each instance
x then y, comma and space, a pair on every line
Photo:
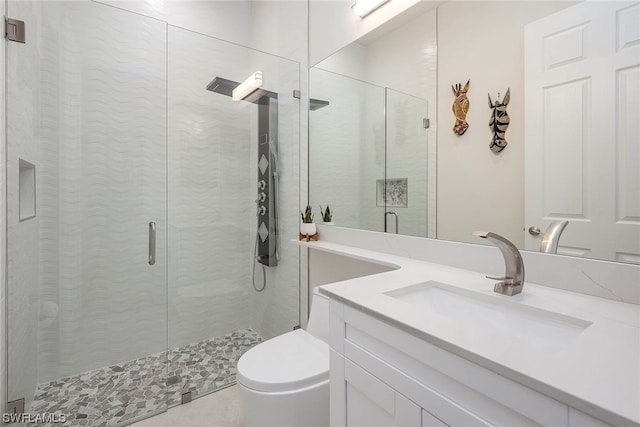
597, 371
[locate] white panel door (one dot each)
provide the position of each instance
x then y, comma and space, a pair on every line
582, 74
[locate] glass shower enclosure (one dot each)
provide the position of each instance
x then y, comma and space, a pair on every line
131, 213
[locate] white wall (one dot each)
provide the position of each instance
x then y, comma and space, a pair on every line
276, 27
349, 61
333, 25
279, 27
224, 19
477, 189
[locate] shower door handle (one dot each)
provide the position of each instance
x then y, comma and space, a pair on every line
152, 243
385, 220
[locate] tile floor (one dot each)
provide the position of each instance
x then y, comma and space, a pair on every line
125, 392
219, 409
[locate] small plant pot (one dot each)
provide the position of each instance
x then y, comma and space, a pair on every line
308, 228
329, 223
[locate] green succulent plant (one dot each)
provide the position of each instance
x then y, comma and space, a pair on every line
327, 215
307, 216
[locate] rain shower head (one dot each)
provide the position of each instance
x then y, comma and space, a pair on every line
314, 104
226, 87
222, 86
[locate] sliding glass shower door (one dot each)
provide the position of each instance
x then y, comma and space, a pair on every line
87, 216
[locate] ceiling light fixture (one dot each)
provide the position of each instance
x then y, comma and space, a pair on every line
364, 7
247, 87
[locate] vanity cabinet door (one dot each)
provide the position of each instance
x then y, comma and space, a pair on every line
370, 402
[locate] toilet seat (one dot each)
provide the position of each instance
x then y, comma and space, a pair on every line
288, 362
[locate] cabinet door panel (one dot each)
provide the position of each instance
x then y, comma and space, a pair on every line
363, 411
408, 414
370, 402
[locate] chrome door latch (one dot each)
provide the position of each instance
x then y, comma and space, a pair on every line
14, 30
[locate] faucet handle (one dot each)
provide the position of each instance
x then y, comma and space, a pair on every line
499, 278
508, 281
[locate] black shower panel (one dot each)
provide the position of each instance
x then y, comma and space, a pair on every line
267, 196
267, 180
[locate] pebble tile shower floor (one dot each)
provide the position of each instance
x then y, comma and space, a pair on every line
120, 393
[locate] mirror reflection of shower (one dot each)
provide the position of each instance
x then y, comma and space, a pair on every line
267, 246
314, 104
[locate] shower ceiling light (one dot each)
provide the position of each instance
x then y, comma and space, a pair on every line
364, 7
247, 87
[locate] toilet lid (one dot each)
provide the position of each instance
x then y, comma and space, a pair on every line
287, 362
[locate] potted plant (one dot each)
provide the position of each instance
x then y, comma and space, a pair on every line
327, 216
308, 227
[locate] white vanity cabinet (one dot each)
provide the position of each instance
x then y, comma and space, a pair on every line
372, 402
384, 376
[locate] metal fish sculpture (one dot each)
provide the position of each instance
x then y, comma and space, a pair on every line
499, 122
460, 107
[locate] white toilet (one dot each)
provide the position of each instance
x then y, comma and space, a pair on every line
284, 381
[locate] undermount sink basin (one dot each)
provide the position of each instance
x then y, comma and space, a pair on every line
495, 315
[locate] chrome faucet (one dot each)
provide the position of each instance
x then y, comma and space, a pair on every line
513, 280
551, 237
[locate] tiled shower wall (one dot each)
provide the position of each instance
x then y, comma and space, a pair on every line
209, 201
212, 188
276, 309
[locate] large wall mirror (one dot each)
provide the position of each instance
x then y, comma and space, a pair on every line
382, 149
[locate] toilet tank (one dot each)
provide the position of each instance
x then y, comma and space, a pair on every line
318, 324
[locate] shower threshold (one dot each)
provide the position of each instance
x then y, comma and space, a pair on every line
126, 392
